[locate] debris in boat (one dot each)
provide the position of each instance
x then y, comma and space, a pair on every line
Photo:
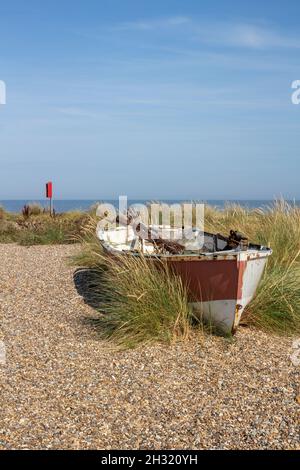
236, 239
169, 246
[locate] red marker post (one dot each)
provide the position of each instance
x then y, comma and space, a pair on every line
49, 194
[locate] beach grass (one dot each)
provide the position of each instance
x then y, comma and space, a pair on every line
135, 289
138, 301
141, 303
275, 308
91, 254
2, 213
35, 226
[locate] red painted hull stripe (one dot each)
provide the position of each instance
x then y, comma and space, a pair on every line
212, 280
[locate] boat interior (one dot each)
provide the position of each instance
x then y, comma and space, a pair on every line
169, 240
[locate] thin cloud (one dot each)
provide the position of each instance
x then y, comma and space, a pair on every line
150, 25
77, 112
245, 35
226, 34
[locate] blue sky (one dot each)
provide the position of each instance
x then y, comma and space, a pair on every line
152, 99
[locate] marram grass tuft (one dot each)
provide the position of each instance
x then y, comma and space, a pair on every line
141, 303
276, 306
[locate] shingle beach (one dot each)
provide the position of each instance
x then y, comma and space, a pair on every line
61, 388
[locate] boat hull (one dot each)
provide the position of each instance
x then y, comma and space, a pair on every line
220, 283
221, 287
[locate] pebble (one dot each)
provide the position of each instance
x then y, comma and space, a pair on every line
63, 388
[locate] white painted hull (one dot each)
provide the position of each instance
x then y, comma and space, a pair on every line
220, 283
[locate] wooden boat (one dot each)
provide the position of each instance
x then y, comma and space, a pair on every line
221, 273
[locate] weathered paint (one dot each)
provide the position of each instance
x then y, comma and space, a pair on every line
220, 284
219, 289
210, 279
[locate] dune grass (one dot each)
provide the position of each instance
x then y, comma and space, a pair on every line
139, 303
2, 213
276, 306
36, 227
33, 208
91, 254
143, 303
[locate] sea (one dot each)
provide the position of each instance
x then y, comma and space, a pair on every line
66, 205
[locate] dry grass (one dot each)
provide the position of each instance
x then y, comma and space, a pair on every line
91, 253
138, 301
2, 213
34, 208
135, 291
39, 228
276, 306
142, 303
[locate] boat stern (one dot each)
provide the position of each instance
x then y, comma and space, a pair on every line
225, 313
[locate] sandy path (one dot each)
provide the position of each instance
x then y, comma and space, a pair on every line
61, 389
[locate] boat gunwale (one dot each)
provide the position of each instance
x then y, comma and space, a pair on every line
254, 251
250, 254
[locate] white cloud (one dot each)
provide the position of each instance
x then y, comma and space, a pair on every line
245, 35
2, 92
76, 112
153, 24
256, 35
